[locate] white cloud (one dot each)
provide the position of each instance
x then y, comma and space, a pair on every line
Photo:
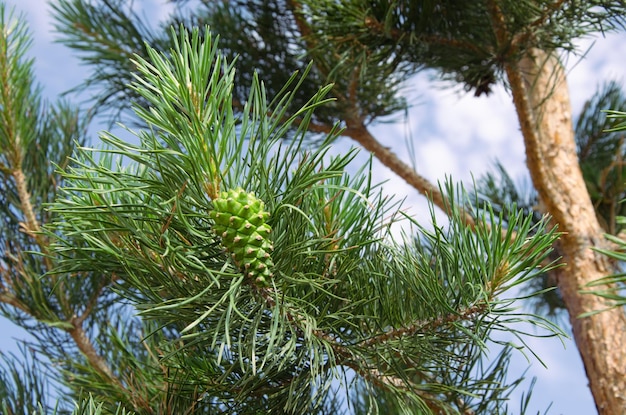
456, 134
604, 61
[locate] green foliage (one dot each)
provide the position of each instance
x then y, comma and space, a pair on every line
467, 42
35, 139
108, 34
263, 38
23, 388
146, 220
500, 191
143, 216
615, 293
92, 407
131, 291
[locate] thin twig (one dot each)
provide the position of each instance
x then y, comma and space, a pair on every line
359, 133
346, 357
8, 298
418, 326
93, 301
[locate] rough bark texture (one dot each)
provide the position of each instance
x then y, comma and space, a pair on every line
542, 102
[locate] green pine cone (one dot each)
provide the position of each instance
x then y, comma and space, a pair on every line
239, 219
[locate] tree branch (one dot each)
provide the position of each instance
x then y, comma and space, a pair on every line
418, 326
31, 226
86, 347
359, 133
396, 35
358, 363
8, 298
91, 304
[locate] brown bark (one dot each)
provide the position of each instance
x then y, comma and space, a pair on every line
542, 102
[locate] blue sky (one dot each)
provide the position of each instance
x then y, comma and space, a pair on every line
453, 133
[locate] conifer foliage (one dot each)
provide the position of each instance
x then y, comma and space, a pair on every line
367, 49
217, 264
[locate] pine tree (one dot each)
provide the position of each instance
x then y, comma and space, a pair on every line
221, 265
368, 48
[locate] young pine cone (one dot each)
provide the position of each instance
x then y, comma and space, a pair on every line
239, 219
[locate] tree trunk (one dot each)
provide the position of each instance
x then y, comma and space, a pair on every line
541, 99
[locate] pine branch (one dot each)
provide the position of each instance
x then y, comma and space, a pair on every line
26, 133
87, 349
359, 132
397, 35
344, 355
421, 326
